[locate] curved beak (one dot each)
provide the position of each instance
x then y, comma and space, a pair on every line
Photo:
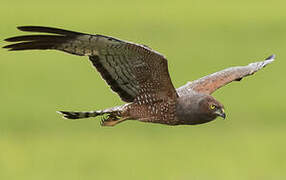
221, 113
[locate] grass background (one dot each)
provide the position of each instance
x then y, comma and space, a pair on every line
197, 37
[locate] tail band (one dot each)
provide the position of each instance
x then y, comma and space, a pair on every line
79, 115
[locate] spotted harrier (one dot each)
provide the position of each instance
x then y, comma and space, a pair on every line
139, 75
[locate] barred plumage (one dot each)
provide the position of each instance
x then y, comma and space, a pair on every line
139, 75
79, 114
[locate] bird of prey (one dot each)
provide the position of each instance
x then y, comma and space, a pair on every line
139, 75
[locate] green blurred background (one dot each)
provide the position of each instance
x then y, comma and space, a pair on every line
197, 37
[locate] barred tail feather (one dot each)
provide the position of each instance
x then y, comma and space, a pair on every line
110, 116
79, 115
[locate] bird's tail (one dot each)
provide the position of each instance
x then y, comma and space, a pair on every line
110, 117
80, 115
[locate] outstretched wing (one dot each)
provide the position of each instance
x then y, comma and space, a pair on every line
212, 82
129, 69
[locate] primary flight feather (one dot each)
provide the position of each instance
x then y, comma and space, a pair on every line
140, 76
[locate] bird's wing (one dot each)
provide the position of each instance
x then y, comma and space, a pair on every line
129, 69
212, 82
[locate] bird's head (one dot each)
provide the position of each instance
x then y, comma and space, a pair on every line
198, 109
211, 108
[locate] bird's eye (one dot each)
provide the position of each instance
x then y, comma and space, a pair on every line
212, 106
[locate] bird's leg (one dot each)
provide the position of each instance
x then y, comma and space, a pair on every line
112, 119
112, 123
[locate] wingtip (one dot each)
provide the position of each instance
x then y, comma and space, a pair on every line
28, 28
7, 39
21, 28
5, 47
8, 48
272, 57
269, 60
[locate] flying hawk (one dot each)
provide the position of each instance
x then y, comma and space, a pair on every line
139, 75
